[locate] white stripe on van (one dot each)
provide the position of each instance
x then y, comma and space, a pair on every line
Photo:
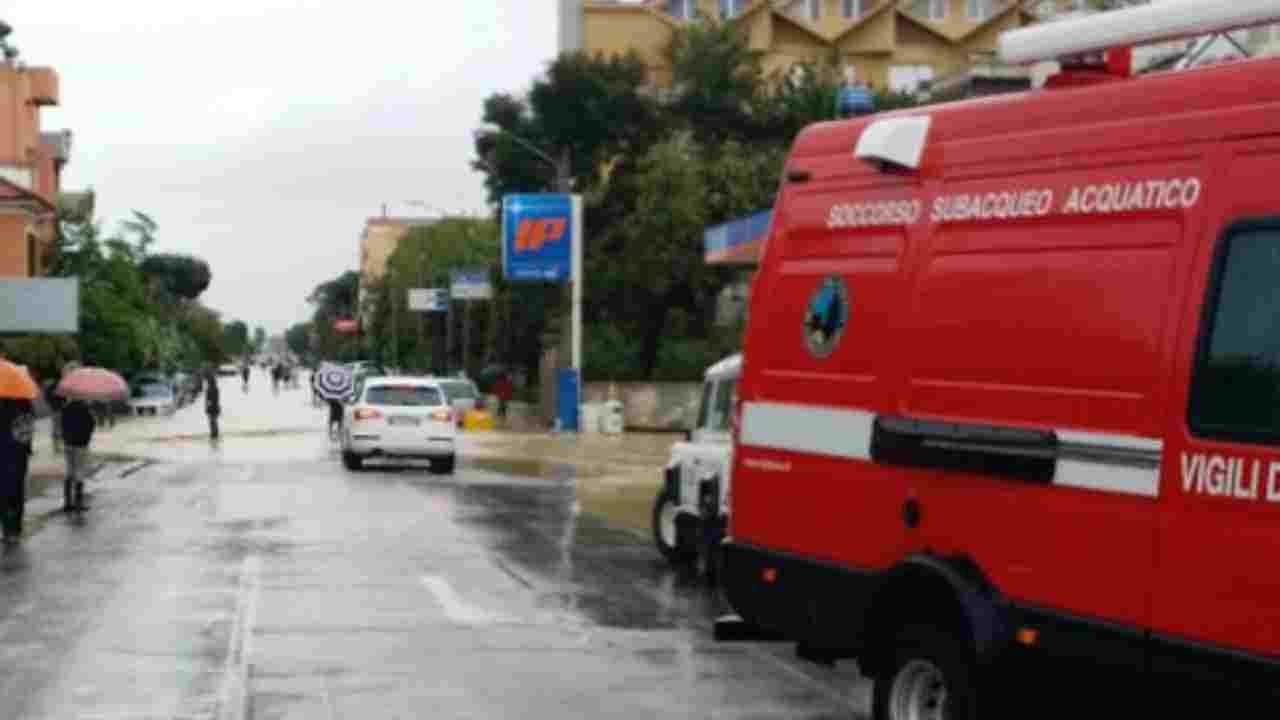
847, 434
807, 428
1109, 440
1107, 477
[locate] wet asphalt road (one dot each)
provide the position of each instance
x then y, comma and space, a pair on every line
260, 579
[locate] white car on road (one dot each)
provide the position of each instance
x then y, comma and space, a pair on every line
400, 417
153, 399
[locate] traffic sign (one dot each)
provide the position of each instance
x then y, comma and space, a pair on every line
470, 284
429, 299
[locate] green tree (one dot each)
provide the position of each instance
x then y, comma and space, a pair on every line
181, 276
335, 300
298, 339
585, 109
424, 258
236, 338
717, 80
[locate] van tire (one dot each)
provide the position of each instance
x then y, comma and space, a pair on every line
672, 549
352, 461
923, 657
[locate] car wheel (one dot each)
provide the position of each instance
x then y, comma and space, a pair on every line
666, 534
931, 676
352, 461
443, 466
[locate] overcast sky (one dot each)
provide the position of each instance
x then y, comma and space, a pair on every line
261, 133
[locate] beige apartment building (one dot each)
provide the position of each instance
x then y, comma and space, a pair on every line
378, 241
888, 44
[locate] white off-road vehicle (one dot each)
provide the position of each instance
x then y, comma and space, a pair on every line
691, 511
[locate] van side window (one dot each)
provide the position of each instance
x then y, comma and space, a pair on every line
704, 407
1235, 389
722, 413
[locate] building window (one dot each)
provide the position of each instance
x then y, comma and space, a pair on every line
979, 10
937, 10
1237, 370
909, 79
854, 9
682, 9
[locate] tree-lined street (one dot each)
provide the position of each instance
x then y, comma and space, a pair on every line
258, 579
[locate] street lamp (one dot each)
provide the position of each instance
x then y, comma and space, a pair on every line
563, 181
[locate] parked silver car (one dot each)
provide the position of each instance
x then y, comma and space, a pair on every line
463, 396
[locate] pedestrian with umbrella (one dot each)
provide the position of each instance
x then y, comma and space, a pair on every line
17, 422
83, 386
334, 383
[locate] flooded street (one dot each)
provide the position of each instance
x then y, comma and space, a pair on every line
259, 579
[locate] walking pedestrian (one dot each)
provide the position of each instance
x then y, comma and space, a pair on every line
504, 390
212, 402
17, 423
77, 431
335, 419
244, 375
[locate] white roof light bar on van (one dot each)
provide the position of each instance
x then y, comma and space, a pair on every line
1168, 20
897, 141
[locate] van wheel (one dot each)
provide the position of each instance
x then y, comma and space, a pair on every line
352, 461
931, 677
666, 535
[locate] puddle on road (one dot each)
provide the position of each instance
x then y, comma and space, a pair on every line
251, 434
532, 468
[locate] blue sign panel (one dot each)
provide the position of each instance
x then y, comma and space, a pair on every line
537, 232
567, 392
737, 242
854, 100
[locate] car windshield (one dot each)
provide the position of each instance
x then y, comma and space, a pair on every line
151, 391
459, 390
403, 395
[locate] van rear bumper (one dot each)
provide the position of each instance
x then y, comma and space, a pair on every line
803, 599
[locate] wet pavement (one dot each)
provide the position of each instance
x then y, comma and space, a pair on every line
259, 579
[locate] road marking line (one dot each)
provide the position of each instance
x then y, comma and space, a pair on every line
457, 609
234, 695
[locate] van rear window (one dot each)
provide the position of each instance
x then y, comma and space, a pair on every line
1235, 393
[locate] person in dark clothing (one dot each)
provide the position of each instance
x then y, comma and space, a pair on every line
212, 403
244, 375
335, 418
78, 425
17, 422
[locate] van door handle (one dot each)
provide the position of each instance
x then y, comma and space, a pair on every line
911, 513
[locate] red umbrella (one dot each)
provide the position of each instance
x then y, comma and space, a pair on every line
94, 384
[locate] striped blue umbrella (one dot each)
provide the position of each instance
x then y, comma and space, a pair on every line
334, 382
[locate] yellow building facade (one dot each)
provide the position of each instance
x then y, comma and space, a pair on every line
887, 44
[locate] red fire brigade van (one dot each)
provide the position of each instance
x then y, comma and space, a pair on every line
1011, 380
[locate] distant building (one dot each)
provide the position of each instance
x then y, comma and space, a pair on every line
378, 241
896, 45
31, 165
